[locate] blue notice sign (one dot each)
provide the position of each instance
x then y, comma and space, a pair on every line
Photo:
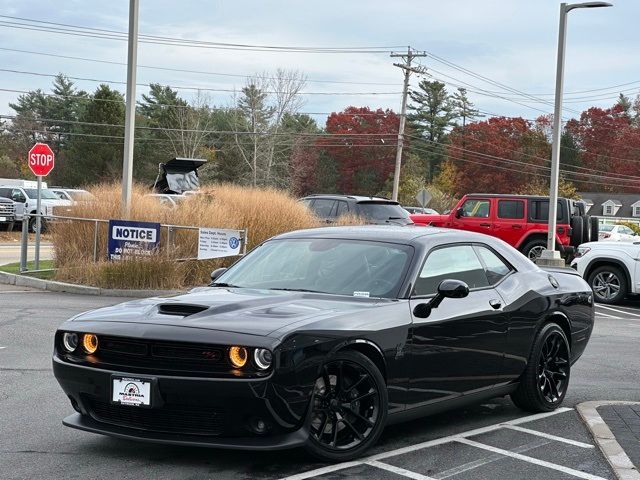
132, 239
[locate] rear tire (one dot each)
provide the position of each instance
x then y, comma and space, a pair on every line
533, 248
609, 284
577, 229
544, 383
348, 409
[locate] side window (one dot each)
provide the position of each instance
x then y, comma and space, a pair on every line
539, 211
458, 262
494, 266
342, 208
322, 207
307, 201
476, 208
511, 209
18, 196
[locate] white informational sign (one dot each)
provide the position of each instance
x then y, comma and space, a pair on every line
217, 243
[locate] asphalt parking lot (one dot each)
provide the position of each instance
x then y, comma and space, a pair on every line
493, 440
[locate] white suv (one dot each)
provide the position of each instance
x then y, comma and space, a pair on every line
610, 268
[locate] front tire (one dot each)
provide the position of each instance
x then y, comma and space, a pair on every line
544, 383
348, 408
609, 284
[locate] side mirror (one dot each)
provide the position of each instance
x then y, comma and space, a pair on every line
447, 289
459, 212
217, 272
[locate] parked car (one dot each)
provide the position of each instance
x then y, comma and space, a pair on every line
7, 214
617, 233
375, 210
74, 195
519, 220
322, 337
612, 269
423, 210
25, 198
166, 199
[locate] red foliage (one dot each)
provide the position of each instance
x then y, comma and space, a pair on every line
364, 161
608, 143
497, 155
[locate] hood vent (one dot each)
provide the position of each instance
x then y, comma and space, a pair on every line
181, 309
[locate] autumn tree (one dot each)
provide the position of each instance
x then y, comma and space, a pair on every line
362, 143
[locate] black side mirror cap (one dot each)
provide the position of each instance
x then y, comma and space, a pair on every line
217, 272
448, 288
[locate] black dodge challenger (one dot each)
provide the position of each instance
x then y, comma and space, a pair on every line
319, 338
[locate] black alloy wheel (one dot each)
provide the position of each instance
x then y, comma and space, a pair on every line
349, 407
543, 385
553, 368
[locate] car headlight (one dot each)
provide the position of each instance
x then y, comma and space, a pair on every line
70, 341
90, 343
238, 356
262, 358
582, 251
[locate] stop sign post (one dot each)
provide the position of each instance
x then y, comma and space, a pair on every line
41, 162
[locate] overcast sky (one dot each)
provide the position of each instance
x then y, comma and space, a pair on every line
510, 41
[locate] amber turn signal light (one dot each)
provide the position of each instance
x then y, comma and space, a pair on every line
90, 343
238, 356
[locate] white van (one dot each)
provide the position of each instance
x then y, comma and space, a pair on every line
25, 195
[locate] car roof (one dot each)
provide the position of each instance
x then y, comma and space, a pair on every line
357, 198
510, 195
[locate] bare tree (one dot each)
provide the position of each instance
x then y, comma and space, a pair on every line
191, 127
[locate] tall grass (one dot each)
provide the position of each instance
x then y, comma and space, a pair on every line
262, 212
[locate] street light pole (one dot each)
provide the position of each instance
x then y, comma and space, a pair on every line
130, 109
550, 256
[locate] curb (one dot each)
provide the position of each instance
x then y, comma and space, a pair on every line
53, 286
609, 446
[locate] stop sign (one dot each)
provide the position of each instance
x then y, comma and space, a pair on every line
41, 159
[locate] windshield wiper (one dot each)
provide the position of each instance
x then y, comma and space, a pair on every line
296, 290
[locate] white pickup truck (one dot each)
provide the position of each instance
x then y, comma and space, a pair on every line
24, 194
612, 269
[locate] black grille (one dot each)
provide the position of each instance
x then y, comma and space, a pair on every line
161, 357
184, 419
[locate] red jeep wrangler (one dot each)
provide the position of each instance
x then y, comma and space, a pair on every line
519, 220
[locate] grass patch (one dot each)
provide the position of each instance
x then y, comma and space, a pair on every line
44, 264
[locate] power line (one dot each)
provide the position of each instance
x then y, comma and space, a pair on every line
181, 70
176, 87
78, 30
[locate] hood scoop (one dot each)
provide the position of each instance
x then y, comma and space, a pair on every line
181, 309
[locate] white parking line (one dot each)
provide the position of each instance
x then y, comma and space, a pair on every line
619, 311
2, 348
524, 458
398, 470
549, 436
422, 445
600, 314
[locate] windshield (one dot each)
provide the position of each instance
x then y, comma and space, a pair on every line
337, 266
381, 211
606, 228
46, 194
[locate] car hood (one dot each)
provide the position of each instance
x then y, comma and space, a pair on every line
239, 310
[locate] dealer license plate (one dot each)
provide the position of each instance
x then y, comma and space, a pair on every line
131, 391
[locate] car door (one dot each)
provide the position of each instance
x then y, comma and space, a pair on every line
475, 215
459, 348
510, 222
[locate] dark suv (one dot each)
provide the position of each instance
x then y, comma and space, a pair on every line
375, 210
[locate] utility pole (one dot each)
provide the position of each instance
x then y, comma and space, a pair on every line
130, 108
406, 66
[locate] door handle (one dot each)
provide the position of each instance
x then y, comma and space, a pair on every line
485, 224
516, 226
495, 303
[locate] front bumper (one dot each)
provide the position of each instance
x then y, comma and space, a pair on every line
197, 411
